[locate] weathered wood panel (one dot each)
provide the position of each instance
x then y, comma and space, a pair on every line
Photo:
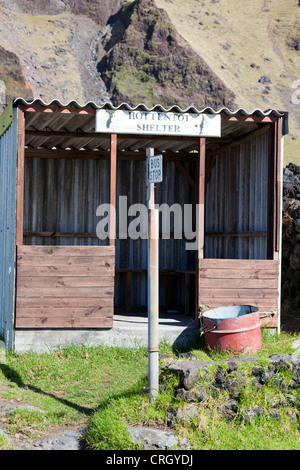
91, 312
67, 322
240, 282
39, 282
94, 251
54, 302
65, 287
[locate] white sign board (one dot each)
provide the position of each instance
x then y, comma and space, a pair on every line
157, 123
155, 169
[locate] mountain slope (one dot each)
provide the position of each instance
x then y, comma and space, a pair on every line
148, 61
253, 47
58, 43
199, 52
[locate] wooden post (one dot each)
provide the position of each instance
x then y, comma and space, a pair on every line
272, 188
20, 179
200, 198
278, 186
279, 189
113, 188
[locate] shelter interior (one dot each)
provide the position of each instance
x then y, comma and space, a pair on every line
66, 170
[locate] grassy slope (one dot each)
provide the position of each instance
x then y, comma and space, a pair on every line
35, 39
254, 35
106, 389
55, 33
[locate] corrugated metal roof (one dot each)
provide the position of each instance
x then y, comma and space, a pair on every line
76, 131
157, 107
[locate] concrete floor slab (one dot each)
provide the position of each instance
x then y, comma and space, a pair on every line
129, 330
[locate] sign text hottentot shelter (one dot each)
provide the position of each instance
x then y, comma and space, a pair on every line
158, 123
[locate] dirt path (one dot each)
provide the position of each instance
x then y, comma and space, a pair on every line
55, 438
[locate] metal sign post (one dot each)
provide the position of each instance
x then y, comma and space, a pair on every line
153, 281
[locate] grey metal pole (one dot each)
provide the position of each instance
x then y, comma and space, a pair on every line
153, 289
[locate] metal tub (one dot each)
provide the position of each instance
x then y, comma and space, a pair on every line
235, 328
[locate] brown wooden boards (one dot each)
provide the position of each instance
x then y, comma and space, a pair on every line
240, 282
20, 179
113, 188
65, 287
200, 214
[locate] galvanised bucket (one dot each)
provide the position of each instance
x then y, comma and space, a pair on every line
235, 329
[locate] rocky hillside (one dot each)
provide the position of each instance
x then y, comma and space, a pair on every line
199, 52
291, 246
127, 52
148, 61
13, 73
58, 44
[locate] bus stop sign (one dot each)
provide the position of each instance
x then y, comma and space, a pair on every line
155, 169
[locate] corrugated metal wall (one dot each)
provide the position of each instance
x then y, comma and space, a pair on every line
62, 195
8, 165
236, 201
132, 254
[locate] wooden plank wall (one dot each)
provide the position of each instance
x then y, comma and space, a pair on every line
240, 282
65, 287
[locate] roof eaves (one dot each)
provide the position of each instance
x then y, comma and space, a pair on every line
141, 106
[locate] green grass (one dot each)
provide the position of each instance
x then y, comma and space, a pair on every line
134, 83
4, 443
68, 385
105, 390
